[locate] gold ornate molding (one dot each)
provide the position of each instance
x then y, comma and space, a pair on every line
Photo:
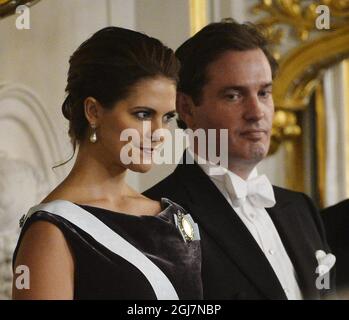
198, 15
302, 59
299, 18
301, 69
321, 142
8, 7
346, 103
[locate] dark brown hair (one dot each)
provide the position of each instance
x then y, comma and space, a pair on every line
106, 66
207, 46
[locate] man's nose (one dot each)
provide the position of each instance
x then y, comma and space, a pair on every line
254, 109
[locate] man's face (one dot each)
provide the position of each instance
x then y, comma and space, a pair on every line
238, 97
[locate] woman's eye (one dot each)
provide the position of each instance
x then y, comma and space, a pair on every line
169, 117
142, 115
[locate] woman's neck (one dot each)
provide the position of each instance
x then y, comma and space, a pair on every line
95, 177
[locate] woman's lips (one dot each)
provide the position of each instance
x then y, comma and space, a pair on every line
147, 150
150, 151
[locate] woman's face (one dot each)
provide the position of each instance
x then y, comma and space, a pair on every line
150, 106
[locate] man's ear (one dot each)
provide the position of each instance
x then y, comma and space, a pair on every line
184, 107
93, 110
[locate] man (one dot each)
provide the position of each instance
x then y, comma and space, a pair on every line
248, 252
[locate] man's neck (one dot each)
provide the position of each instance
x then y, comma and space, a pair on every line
241, 169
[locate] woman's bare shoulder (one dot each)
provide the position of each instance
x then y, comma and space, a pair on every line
49, 259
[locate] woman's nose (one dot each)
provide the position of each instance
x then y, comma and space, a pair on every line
158, 135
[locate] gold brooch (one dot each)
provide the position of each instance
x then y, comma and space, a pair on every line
185, 226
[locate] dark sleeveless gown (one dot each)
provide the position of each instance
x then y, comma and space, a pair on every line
102, 274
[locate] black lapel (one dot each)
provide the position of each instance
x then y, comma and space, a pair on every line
214, 214
287, 220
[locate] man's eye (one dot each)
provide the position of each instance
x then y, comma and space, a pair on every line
265, 93
142, 115
232, 96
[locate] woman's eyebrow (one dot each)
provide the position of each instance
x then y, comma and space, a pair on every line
172, 111
144, 107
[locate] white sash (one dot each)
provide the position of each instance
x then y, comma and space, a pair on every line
161, 285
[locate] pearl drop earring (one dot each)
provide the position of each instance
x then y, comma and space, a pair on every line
93, 136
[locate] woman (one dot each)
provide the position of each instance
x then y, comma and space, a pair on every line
94, 237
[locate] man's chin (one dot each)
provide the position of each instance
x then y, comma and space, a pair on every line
258, 152
255, 154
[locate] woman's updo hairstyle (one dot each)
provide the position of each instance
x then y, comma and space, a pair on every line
106, 66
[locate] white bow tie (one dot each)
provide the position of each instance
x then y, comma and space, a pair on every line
258, 190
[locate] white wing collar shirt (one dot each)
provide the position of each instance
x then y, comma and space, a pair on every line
249, 198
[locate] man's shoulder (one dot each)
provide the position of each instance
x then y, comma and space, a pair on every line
287, 194
303, 206
336, 215
183, 175
163, 188
340, 207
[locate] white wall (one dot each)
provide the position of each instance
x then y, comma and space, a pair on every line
38, 58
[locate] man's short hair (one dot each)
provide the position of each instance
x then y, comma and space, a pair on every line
206, 46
